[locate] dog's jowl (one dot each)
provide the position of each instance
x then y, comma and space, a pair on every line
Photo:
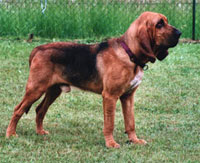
113, 69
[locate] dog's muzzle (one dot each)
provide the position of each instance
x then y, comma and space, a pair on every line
163, 51
175, 38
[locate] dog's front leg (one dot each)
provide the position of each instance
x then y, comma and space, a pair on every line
127, 102
109, 106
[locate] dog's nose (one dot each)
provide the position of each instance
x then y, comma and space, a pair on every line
177, 33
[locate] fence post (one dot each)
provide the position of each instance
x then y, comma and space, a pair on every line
193, 25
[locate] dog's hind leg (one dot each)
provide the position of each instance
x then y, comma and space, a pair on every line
30, 97
51, 94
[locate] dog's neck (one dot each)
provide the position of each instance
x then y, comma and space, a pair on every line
132, 56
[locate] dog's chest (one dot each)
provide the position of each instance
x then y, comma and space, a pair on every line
135, 81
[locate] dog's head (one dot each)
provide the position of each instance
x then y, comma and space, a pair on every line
151, 36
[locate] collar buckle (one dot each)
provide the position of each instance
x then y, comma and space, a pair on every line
146, 67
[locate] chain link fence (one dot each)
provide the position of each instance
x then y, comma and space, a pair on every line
75, 19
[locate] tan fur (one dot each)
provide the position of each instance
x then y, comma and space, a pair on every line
116, 74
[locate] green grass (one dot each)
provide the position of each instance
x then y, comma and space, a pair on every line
167, 112
84, 19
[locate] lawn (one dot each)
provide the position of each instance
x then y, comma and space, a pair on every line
167, 112
88, 18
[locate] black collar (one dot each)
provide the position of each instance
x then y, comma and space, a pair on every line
132, 57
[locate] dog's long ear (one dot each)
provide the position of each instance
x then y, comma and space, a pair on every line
145, 41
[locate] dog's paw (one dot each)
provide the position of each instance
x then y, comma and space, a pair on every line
10, 134
138, 141
42, 132
112, 144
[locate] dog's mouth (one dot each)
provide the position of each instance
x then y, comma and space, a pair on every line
162, 53
174, 42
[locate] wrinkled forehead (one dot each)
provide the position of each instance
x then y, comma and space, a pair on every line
152, 17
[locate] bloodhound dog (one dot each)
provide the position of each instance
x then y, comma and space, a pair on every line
113, 68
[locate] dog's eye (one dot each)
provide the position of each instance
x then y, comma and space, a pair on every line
160, 24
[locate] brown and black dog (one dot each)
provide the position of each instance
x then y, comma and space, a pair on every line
113, 68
